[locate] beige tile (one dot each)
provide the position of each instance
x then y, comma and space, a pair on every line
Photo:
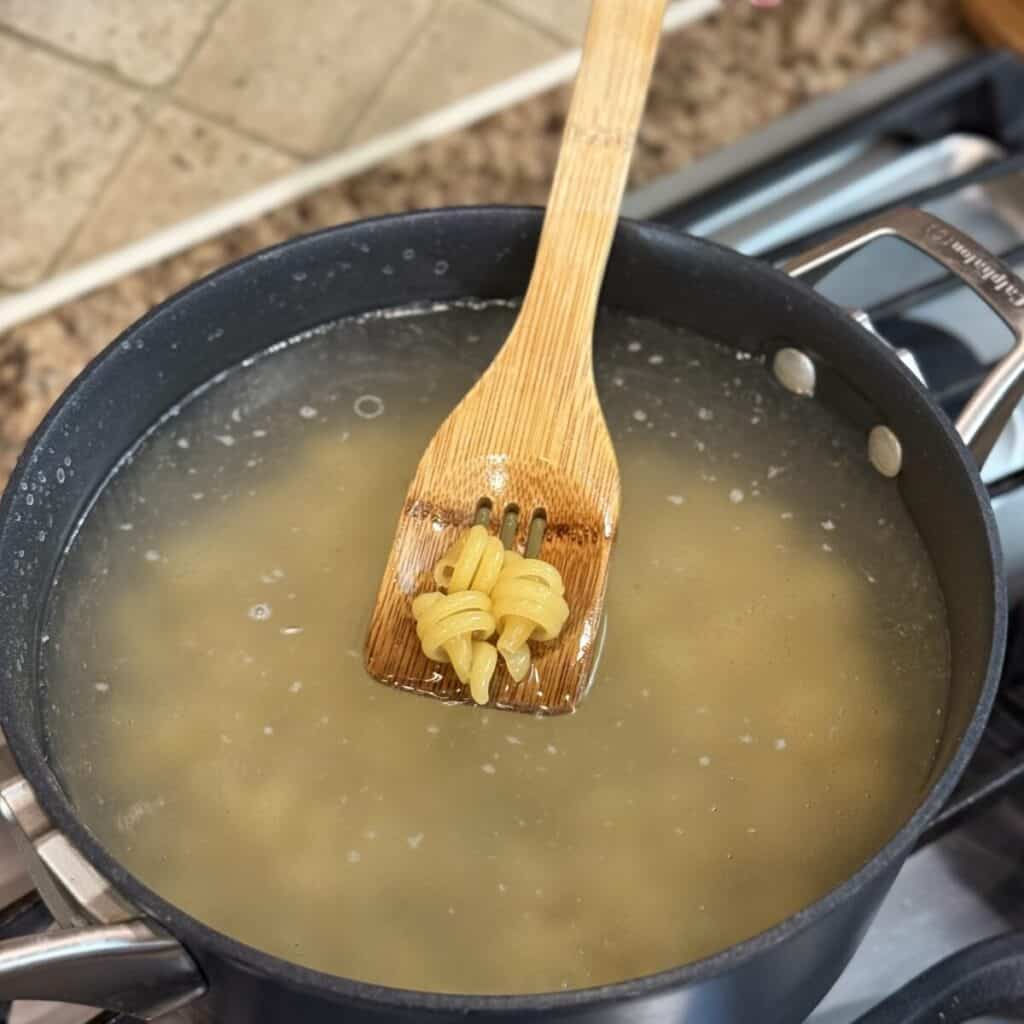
299, 80
62, 131
566, 19
146, 41
183, 165
466, 46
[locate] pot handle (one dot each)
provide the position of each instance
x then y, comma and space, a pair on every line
102, 952
128, 968
989, 410
986, 978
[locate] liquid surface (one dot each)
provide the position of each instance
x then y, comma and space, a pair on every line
766, 709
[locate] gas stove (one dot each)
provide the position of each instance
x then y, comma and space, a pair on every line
943, 130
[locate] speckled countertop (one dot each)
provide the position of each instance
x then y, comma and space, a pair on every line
715, 82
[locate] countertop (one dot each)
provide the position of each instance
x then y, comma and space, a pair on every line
716, 81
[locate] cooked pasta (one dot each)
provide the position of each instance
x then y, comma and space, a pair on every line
451, 627
488, 590
527, 605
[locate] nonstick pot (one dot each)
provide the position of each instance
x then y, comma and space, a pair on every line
122, 946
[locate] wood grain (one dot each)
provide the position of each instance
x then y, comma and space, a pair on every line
531, 431
999, 22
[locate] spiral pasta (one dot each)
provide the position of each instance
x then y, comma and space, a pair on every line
488, 590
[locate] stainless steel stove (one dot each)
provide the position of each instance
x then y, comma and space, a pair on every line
945, 131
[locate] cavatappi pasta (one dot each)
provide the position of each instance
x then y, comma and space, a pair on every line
488, 591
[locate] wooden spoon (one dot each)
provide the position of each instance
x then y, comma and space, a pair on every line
529, 440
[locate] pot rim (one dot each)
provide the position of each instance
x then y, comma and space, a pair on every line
192, 932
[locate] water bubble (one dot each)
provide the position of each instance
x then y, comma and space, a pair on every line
441, 268
704, 760
61, 475
488, 768
260, 612
639, 415
387, 269
368, 407
634, 346
675, 499
152, 555
705, 414
408, 254
225, 439
414, 840
735, 495
307, 412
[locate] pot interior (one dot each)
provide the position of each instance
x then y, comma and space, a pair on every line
918, 725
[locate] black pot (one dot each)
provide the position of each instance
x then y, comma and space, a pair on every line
137, 952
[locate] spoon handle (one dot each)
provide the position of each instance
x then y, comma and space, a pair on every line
583, 207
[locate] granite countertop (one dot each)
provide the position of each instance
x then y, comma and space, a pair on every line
715, 82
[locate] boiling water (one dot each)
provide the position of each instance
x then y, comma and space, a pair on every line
766, 711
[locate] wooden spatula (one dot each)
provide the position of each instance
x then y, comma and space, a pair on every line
529, 441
